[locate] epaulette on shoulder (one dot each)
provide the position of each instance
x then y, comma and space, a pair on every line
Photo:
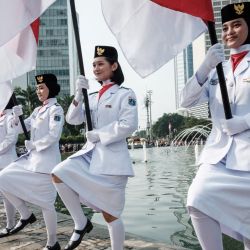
124, 88
93, 93
57, 104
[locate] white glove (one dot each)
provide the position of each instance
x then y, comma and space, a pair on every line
92, 136
214, 56
17, 111
29, 145
235, 125
81, 83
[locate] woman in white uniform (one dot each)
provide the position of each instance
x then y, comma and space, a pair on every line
8, 139
28, 179
218, 199
97, 174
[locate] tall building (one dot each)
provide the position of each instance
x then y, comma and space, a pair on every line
183, 65
56, 48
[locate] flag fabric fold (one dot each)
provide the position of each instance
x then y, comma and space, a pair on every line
16, 15
18, 56
150, 33
19, 27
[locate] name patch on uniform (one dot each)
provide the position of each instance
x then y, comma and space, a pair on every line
246, 79
108, 106
214, 82
131, 101
57, 118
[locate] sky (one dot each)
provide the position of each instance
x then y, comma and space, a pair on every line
94, 31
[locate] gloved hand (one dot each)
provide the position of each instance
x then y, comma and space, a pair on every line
235, 125
29, 145
17, 111
81, 83
92, 136
214, 56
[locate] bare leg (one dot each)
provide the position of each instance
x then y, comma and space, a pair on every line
55, 179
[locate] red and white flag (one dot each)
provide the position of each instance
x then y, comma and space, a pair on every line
19, 28
151, 32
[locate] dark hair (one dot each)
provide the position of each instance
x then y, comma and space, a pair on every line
118, 76
50, 80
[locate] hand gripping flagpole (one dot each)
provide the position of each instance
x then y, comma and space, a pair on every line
79, 52
13, 97
219, 68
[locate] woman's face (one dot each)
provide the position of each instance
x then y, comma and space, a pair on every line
42, 92
102, 69
234, 33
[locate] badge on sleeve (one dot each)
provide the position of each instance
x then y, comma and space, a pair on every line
131, 101
57, 118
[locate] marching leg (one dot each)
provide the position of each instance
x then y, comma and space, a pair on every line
26, 216
117, 234
208, 230
10, 213
72, 202
50, 219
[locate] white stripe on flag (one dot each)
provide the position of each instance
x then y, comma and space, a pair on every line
150, 35
15, 15
18, 56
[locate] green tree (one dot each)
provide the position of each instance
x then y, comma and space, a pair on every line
27, 98
69, 130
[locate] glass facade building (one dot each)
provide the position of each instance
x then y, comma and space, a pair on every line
183, 65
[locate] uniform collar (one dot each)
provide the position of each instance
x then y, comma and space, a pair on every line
46, 104
107, 94
245, 47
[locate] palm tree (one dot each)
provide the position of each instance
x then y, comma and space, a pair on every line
27, 98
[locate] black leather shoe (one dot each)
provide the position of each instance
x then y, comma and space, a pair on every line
73, 244
5, 232
55, 247
24, 223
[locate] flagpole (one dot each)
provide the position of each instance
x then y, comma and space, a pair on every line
219, 68
80, 60
13, 97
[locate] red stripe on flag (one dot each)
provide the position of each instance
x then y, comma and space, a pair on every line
35, 28
198, 8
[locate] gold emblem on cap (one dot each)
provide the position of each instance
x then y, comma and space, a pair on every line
39, 78
100, 51
239, 8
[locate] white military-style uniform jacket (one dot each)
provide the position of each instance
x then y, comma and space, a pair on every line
114, 117
236, 148
8, 139
45, 125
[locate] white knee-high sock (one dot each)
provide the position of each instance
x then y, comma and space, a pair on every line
208, 230
10, 211
72, 202
19, 205
246, 244
117, 234
50, 219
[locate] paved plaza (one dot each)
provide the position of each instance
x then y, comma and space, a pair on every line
34, 236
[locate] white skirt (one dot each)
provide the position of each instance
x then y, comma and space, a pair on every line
35, 188
223, 194
100, 192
